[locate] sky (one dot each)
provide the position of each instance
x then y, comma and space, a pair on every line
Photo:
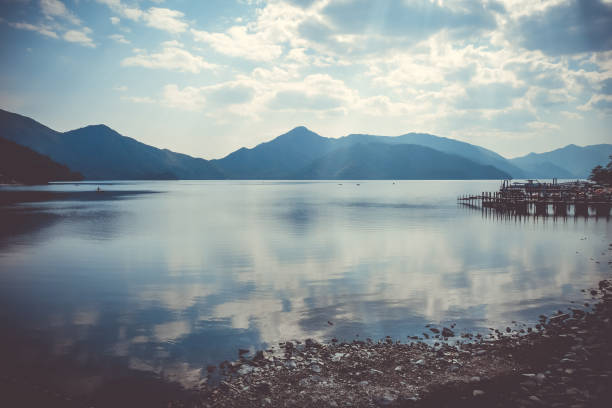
207, 77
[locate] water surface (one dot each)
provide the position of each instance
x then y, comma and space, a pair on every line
163, 278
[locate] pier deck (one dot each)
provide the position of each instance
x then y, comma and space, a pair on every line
534, 198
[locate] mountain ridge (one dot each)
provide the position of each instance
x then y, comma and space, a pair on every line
577, 161
99, 152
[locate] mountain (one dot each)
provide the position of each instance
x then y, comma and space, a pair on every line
380, 161
279, 158
577, 161
288, 155
23, 165
469, 151
99, 153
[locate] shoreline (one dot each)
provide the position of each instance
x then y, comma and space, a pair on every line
564, 361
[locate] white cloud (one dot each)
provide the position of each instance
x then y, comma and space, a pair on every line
275, 27
601, 103
80, 37
41, 29
237, 42
519, 8
188, 98
120, 88
55, 8
131, 13
225, 95
115, 20
119, 38
165, 19
172, 57
138, 99
157, 17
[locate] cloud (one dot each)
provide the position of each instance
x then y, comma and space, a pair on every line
571, 27
188, 98
238, 42
119, 38
55, 8
138, 99
172, 57
115, 20
157, 17
412, 21
41, 29
80, 37
120, 88
165, 19
601, 103
229, 93
131, 13
211, 97
490, 96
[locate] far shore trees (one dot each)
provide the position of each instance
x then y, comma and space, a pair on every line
602, 175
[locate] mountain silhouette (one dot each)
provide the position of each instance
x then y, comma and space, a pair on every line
475, 153
576, 161
380, 161
277, 159
100, 153
19, 164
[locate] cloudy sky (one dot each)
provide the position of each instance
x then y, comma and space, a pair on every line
209, 76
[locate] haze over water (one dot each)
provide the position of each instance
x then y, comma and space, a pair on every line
181, 276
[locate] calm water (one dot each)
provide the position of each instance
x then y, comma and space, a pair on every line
164, 283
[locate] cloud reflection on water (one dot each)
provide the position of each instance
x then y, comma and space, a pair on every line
187, 277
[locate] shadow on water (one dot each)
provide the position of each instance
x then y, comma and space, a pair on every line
31, 376
9, 197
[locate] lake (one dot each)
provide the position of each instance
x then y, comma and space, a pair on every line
153, 281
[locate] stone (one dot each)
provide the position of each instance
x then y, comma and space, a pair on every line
572, 391
420, 362
315, 368
245, 369
398, 369
291, 365
260, 355
535, 399
478, 393
386, 399
337, 357
309, 343
263, 388
446, 332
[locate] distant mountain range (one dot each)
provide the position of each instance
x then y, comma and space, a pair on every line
570, 161
19, 164
99, 153
302, 154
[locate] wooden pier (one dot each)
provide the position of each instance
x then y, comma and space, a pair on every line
577, 198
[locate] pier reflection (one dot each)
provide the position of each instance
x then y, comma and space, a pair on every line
534, 212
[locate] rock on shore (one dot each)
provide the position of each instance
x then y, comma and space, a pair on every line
565, 361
